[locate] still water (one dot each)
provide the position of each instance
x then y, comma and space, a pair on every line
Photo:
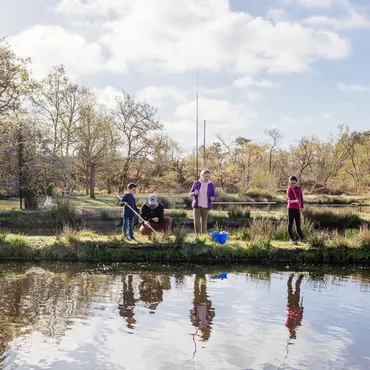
140, 317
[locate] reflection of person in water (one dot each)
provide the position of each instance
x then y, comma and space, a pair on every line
126, 310
151, 289
202, 314
294, 307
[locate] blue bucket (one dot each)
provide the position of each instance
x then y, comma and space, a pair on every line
222, 237
214, 236
219, 237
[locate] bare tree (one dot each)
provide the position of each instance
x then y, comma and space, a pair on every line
305, 153
94, 139
276, 136
58, 101
136, 123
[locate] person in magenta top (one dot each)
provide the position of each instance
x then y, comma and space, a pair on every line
295, 205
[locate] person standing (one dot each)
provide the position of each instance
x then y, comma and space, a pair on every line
129, 202
295, 205
203, 192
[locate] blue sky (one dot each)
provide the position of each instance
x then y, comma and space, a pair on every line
296, 65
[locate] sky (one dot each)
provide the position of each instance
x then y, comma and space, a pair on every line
300, 66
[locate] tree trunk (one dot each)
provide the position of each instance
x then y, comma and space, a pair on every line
109, 186
30, 200
20, 166
92, 181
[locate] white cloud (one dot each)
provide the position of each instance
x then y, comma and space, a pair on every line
161, 95
52, 45
287, 119
253, 95
107, 96
277, 15
248, 81
221, 115
354, 87
98, 8
326, 115
203, 35
316, 3
353, 21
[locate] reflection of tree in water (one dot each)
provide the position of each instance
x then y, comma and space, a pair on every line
202, 314
294, 306
38, 300
151, 289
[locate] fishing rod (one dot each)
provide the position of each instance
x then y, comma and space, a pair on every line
147, 223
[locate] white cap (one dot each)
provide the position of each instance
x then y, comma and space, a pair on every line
153, 201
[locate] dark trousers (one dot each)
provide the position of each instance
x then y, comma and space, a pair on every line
294, 215
128, 225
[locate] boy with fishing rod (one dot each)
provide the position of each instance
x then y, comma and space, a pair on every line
295, 205
129, 202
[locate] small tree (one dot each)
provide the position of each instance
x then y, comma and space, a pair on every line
94, 139
136, 123
15, 80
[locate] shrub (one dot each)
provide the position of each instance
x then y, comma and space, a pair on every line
281, 231
177, 214
180, 233
238, 213
332, 218
307, 226
86, 233
364, 237
338, 240
262, 228
257, 194
318, 239
66, 212
187, 202
105, 215
243, 234
166, 201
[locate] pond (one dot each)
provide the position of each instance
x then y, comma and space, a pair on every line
63, 316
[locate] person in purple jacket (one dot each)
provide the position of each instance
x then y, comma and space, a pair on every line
295, 205
203, 192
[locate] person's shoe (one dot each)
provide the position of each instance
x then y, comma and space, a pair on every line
127, 238
132, 238
303, 240
293, 242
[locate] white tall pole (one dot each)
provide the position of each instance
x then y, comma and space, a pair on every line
197, 130
204, 143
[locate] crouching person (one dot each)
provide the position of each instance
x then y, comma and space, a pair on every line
153, 213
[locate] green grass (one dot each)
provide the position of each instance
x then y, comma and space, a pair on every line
325, 217
259, 243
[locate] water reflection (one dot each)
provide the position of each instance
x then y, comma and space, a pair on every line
127, 308
294, 306
111, 318
202, 313
150, 291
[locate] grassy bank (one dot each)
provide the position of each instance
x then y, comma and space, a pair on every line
261, 242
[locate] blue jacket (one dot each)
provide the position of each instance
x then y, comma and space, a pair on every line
130, 200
